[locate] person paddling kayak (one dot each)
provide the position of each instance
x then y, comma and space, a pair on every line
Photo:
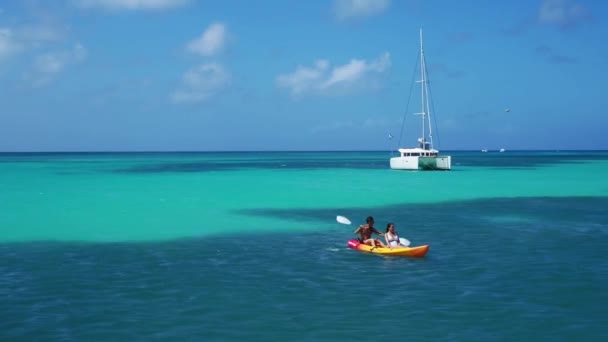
366, 231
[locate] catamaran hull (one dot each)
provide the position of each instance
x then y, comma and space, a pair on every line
421, 163
404, 163
435, 163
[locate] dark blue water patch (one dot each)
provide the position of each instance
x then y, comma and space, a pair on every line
46, 157
517, 211
522, 161
478, 282
222, 161
207, 166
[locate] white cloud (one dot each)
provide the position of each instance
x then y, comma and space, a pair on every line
14, 41
18, 39
131, 4
210, 42
200, 83
304, 78
356, 69
9, 46
47, 66
346, 9
563, 13
319, 78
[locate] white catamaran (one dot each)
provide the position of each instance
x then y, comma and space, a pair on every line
423, 157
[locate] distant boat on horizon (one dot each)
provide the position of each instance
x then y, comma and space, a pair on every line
502, 150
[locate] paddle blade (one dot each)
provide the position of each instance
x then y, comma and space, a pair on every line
342, 219
404, 242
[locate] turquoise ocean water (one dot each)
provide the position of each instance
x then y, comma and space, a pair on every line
227, 246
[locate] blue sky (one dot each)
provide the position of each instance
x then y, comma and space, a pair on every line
165, 75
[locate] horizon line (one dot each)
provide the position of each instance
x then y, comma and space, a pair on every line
278, 151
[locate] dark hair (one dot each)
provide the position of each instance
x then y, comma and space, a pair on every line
369, 219
389, 225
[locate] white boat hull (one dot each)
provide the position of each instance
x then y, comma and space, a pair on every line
404, 163
421, 163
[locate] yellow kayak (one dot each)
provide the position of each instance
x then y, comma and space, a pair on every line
415, 252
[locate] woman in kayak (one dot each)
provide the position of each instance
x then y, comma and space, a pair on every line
366, 231
392, 239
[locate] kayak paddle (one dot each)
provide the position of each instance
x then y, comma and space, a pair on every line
403, 241
342, 219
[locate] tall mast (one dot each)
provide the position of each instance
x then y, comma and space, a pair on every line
423, 81
428, 108
424, 101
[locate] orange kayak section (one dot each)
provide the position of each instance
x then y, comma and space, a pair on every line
415, 252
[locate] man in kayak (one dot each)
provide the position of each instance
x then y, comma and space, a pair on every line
366, 231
